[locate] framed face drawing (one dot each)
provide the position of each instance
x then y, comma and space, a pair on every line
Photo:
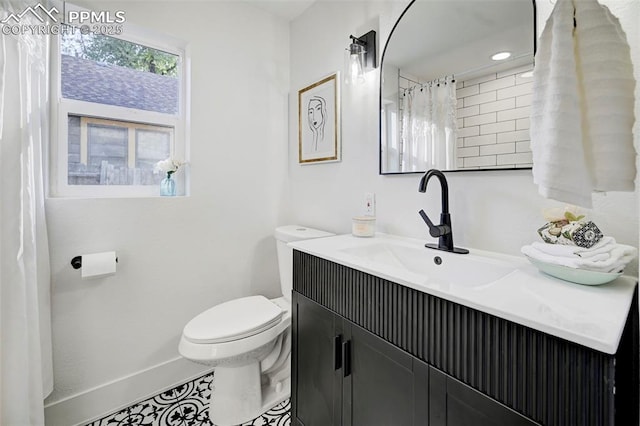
319, 121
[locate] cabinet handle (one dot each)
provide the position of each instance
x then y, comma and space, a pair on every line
337, 354
346, 358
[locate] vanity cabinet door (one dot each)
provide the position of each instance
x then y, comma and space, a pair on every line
453, 403
383, 385
343, 375
316, 371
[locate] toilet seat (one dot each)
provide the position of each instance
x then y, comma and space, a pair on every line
233, 320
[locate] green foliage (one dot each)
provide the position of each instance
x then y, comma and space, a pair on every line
572, 218
120, 52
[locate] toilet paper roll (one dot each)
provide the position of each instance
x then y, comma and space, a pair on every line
98, 264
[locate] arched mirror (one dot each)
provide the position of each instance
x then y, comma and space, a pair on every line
446, 100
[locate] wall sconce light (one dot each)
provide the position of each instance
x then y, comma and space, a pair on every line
361, 58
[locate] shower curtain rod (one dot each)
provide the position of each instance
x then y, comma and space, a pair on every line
421, 85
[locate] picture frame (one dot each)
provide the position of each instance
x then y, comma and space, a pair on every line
319, 121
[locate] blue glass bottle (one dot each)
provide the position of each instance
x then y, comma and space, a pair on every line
168, 186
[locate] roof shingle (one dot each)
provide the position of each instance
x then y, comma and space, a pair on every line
87, 80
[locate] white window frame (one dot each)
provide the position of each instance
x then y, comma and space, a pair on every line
62, 107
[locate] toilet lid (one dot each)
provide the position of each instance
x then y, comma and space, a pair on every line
233, 320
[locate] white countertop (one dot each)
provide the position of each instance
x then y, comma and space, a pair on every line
593, 316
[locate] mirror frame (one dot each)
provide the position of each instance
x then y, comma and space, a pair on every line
380, 172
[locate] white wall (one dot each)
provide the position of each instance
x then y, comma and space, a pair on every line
497, 211
180, 256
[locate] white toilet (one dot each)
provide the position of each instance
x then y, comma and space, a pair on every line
248, 340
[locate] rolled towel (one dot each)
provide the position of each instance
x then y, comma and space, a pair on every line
618, 258
604, 246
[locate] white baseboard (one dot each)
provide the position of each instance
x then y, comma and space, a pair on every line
95, 403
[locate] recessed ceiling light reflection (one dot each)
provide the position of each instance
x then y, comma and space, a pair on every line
501, 56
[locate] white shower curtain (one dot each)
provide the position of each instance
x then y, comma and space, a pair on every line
428, 131
25, 313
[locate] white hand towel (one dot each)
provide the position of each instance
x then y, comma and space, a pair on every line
619, 257
582, 105
604, 246
556, 125
607, 83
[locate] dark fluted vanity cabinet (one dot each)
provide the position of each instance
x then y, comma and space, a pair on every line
369, 352
345, 375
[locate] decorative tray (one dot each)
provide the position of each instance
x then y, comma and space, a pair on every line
574, 275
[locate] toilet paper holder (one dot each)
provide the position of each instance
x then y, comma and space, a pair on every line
76, 262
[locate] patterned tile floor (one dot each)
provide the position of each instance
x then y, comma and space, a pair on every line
185, 405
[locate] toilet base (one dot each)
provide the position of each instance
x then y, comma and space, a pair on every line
244, 397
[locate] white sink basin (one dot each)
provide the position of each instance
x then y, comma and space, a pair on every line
505, 286
437, 267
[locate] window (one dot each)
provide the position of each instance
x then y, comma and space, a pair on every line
119, 108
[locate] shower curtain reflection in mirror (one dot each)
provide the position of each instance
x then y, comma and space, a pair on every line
425, 137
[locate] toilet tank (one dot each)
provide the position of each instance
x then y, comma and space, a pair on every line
286, 234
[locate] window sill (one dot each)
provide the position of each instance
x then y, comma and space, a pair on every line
113, 197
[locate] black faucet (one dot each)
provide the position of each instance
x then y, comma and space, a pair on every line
442, 231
